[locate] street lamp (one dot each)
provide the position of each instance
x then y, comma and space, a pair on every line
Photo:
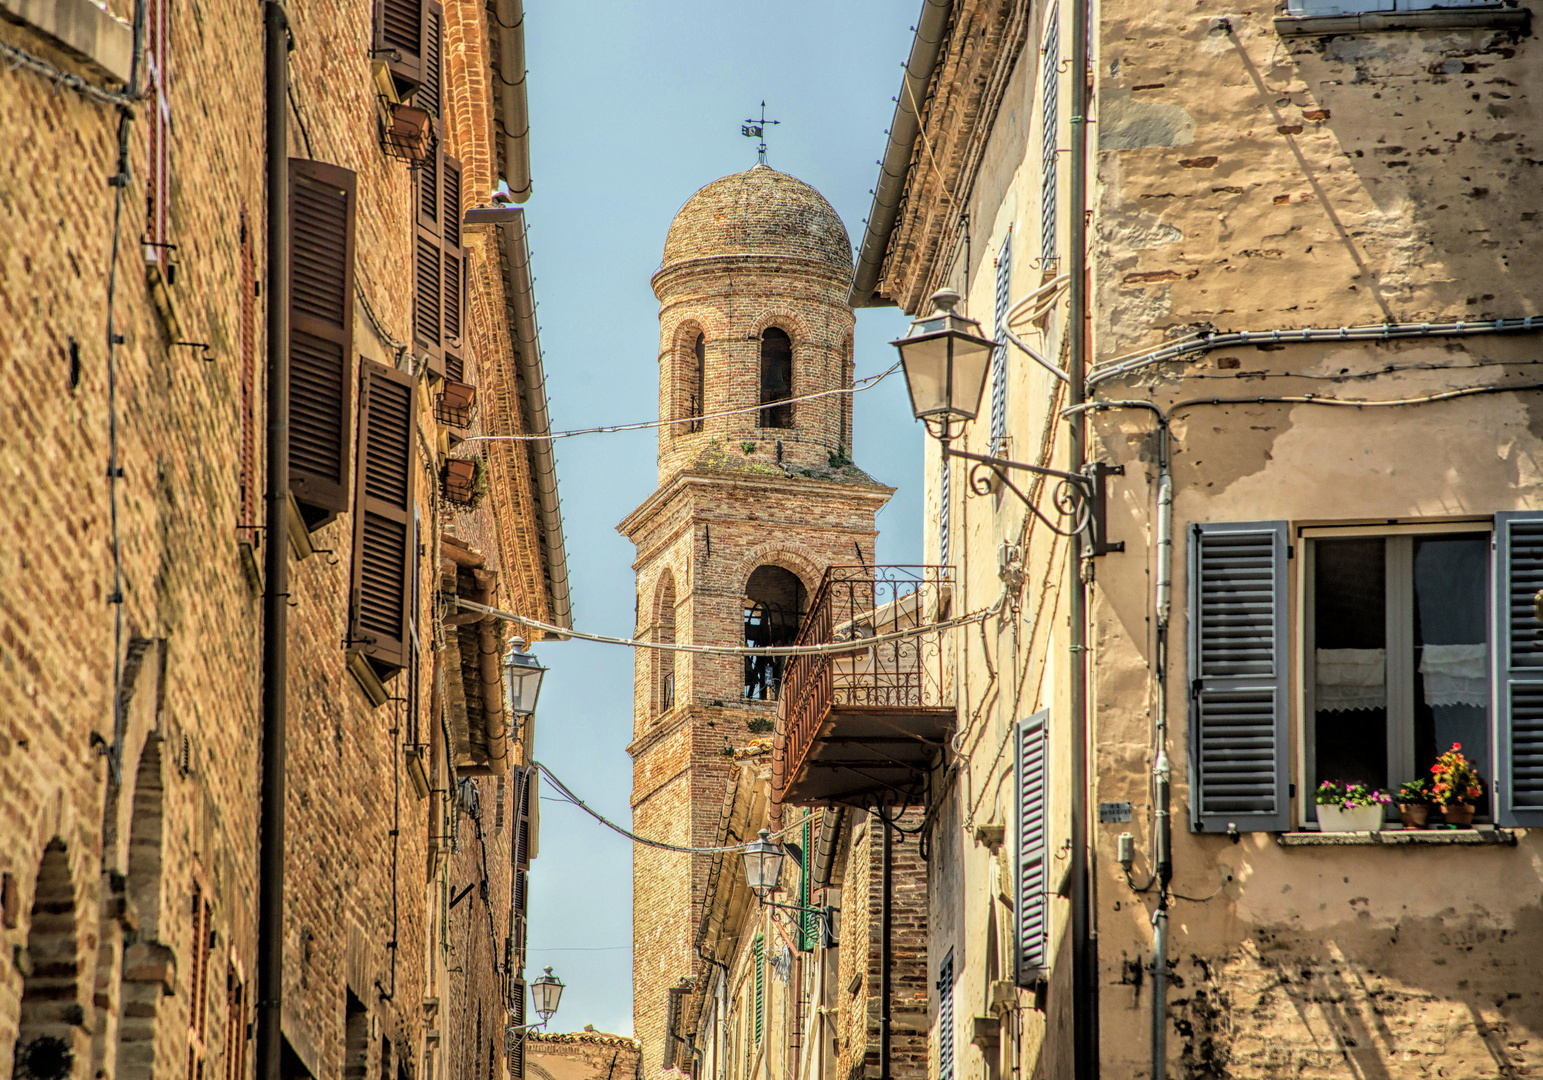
522, 679
545, 992
763, 869
945, 358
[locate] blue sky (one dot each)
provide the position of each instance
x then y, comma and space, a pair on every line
634, 106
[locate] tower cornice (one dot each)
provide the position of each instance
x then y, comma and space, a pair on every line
871, 492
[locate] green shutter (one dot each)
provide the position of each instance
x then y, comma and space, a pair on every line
758, 951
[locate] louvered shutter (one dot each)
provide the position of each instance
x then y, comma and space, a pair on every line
1050, 122
945, 509
1031, 847
428, 263
1516, 655
247, 515
514, 1047
384, 562
321, 327
401, 31
999, 360
430, 93
946, 1018
1238, 747
453, 262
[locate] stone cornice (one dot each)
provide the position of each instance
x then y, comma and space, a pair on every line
677, 485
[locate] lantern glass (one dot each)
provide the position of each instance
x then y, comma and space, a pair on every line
522, 679
545, 992
946, 360
763, 864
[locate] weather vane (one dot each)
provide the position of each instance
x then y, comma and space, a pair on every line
756, 129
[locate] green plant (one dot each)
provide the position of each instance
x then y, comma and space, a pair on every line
468, 498
839, 457
1413, 793
1349, 796
748, 448
759, 725
1454, 779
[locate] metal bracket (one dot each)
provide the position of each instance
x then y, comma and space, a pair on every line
1079, 496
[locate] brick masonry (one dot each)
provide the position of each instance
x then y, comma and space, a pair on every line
98, 868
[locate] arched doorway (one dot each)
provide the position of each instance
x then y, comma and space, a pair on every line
139, 993
775, 603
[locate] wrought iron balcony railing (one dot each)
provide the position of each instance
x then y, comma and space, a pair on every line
864, 725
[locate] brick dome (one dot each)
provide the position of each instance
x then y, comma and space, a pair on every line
759, 212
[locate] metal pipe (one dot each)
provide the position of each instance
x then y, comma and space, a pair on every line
1161, 766
1084, 944
1375, 332
1160, 992
886, 898
510, 73
931, 29
270, 903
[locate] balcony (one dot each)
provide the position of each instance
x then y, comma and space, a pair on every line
864, 725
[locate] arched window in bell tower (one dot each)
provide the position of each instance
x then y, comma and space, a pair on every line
696, 381
775, 601
776, 379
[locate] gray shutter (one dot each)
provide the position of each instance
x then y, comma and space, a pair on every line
1031, 848
1050, 123
1238, 747
945, 504
999, 361
946, 1018
1516, 654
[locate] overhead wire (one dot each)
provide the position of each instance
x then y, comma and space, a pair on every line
865, 383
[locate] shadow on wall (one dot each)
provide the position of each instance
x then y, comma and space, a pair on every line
1451, 992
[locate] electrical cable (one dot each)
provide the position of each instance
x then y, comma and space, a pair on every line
20, 58
833, 648
865, 383
645, 841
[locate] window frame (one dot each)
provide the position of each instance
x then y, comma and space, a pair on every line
1301, 617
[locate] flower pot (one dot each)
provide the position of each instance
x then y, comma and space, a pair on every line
1355, 819
1414, 815
1458, 813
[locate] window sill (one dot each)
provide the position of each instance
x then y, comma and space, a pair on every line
104, 42
1365, 22
1483, 835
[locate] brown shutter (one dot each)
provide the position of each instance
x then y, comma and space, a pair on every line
384, 563
401, 33
246, 516
321, 329
453, 263
431, 93
428, 263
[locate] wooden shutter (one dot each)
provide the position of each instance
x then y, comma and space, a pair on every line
430, 93
1516, 655
428, 270
384, 556
1238, 748
1031, 845
321, 329
946, 1018
401, 40
999, 360
246, 515
453, 258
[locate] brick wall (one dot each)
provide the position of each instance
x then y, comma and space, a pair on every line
582, 1055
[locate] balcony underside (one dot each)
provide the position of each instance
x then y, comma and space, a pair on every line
868, 754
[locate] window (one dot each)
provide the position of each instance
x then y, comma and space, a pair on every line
1412, 639
775, 601
1004, 270
356, 1038
663, 660
1031, 840
385, 557
696, 381
1049, 120
946, 1018
322, 200
235, 1025
158, 152
200, 937
776, 379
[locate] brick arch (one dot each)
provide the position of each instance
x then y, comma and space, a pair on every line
685, 373
779, 553
140, 990
49, 1037
784, 319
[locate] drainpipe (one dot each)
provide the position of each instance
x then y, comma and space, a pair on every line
886, 898
270, 903
1161, 767
1084, 944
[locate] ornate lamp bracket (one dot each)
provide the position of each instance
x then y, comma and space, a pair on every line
1078, 496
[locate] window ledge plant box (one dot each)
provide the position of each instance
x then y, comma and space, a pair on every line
1353, 819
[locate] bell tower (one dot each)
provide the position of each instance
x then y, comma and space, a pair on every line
757, 495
